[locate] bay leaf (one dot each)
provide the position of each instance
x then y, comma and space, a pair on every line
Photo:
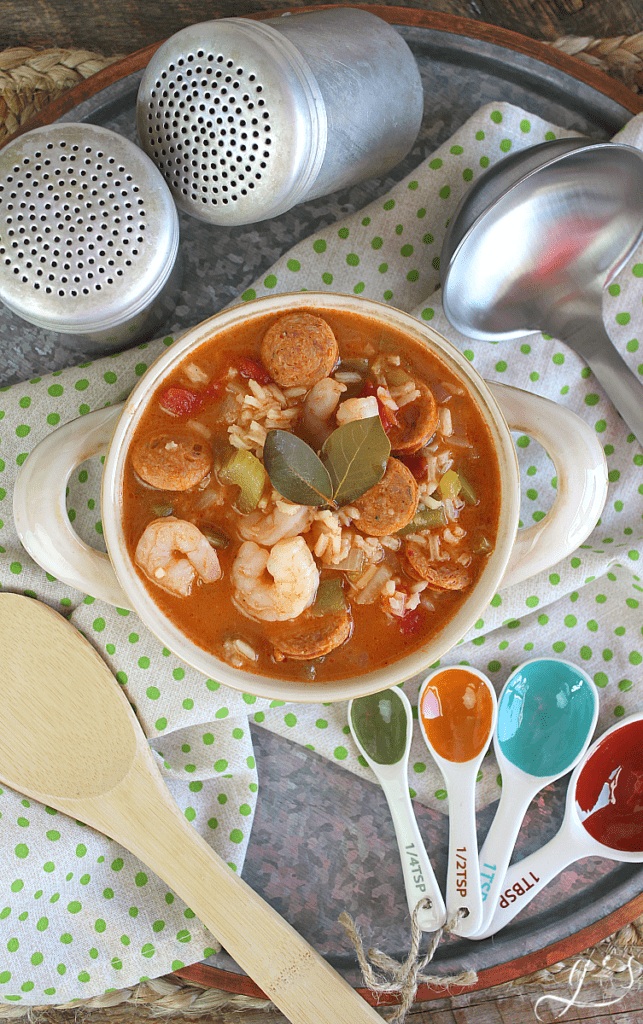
295, 470
355, 456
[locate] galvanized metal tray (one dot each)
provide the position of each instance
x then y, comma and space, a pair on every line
322, 840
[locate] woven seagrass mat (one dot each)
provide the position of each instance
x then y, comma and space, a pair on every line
609, 968
29, 80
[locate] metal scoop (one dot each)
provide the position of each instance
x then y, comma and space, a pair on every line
534, 242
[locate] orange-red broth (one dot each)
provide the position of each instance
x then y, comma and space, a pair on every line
208, 616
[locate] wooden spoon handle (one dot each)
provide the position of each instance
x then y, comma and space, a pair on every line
70, 739
141, 815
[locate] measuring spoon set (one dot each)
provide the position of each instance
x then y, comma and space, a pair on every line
541, 728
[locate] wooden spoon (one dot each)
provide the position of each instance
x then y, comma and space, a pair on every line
70, 739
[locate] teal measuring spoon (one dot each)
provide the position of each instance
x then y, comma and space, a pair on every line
547, 714
382, 726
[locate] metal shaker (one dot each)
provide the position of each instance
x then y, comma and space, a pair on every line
245, 119
89, 236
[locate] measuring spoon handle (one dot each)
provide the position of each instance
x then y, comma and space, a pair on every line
419, 878
499, 844
463, 875
525, 879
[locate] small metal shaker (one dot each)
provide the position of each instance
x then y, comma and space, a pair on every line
245, 119
89, 236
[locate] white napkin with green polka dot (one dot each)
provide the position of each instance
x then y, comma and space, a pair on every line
78, 914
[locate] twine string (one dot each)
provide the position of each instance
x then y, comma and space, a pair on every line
402, 979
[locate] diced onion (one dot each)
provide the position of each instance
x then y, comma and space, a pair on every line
373, 588
195, 374
353, 562
441, 392
434, 546
446, 424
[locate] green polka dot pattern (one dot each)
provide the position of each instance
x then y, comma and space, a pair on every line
79, 915
68, 892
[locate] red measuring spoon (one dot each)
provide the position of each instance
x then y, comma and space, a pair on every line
603, 818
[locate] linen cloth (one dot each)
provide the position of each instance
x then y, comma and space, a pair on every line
78, 914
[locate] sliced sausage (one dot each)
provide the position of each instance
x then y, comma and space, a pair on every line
318, 637
417, 422
172, 461
438, 575
298, 350
390, 504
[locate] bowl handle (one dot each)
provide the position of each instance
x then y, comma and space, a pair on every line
46, 533
581, 469
40, 510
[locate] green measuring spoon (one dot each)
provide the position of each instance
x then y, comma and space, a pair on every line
382, 725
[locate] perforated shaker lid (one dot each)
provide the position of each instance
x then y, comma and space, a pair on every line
88, 229
234, 119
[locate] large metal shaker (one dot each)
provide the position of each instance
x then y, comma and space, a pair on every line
245, 119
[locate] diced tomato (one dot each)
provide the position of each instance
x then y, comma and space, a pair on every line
214, 389
387, 416
417, 465
368, 390
251, 370
180, 401
413, 622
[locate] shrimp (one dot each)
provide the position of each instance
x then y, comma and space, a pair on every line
357, 409
277, 584
158, 554
321, 402
268, 529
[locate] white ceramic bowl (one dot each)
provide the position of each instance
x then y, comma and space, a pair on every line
45, 531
